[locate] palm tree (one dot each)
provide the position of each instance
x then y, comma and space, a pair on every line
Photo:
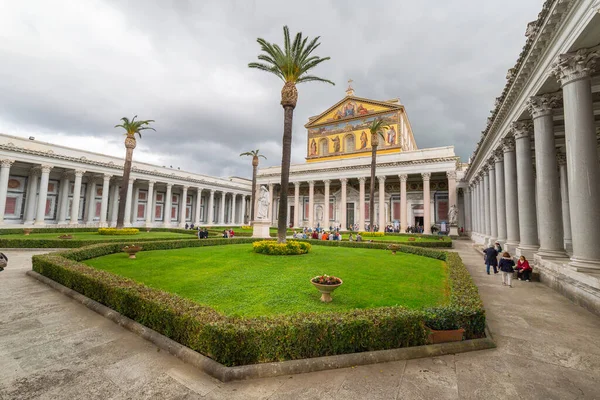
131, 128
376, 130
291, 65
255, 154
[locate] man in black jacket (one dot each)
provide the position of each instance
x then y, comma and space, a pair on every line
491, 258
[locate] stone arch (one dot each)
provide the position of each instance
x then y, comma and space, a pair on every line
349, 143
323, 147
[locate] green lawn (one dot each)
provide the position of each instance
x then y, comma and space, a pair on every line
96, 236
236, 281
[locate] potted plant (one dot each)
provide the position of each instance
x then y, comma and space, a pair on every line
65, 237
131, 250
27, 231
394, 248
326, 285
443, 327
148, 229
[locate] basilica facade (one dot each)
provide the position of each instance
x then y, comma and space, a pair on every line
414, 187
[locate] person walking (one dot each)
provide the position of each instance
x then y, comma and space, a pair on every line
3, 261
523, 269
490, 257
507, 267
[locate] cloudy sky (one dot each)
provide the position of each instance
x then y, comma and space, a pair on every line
69, 70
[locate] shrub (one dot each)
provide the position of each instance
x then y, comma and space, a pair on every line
291, 247
246, 227
372, 234
119, 232
240, 341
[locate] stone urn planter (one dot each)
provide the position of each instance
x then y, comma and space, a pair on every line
393, 248
132, 250
148, 229
443, 336
326, 285
65, 237
411, 239
27, 231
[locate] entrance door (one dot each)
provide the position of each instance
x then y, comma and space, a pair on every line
418, 221
292, 213
349, 215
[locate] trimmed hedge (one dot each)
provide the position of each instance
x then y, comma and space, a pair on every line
289, 248
239, 341
118, 232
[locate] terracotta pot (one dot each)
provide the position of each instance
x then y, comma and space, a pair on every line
27, 231
326, 290
451, 335
132, 250
65, 237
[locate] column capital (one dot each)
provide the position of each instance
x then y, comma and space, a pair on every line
327, 182
185, 187
169, 185
344, 180
508, 144
403, 177
574, 66
297, 184
212, 192
542, 105
46, 168
498, 155
7, 162
131, 181
79, 172
561, 158
381, 178
451, 174
199, 190
271, 185
107, 177
521, 129
426, 176
311, 183
485, 170
362, 179
491, 162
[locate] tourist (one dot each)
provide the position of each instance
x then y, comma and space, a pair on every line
325, 236
320, 235
358, 237
350, 238
187, 226
3, 261
315, 235
523, 269
490, 258
225, 234
507, 267
498, 247
231, 233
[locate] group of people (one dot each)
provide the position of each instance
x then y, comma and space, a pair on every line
228, 233
318, 234
506, 265
414, 229
202, 233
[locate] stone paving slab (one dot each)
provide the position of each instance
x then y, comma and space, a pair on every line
52, 347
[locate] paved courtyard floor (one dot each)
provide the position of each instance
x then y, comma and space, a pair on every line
54, 348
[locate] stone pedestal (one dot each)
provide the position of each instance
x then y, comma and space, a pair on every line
453, 230
260, 228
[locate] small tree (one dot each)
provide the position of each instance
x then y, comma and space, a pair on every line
255, 155
131, 128
291, 65
376, 130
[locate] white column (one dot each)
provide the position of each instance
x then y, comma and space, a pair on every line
481, 205
344, 201
452, 200
426, 203
583, 169
468, 215
104, 204
326, 204
149, 203
183, 207
361, 203
136, 201
510, 193
486, 202
211, 208
76, 196
547, 183
474, 212
91, 200
500, 196
114, 203
297, 204
311, 203
63, 198
30, 205
381, 221
128, 201
243, 218
4, 177
564, 196
43, 196
271, 205
198, 205
222, 208
233, 204
168, 205
493, 209
526, 189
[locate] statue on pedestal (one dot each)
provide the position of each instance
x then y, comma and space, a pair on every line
453, 215
263, 203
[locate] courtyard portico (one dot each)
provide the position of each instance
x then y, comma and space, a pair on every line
42, 184
539, 154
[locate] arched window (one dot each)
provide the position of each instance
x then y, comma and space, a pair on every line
323, 147
349, 145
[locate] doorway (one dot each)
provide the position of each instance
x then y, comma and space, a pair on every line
418, 221
349, 216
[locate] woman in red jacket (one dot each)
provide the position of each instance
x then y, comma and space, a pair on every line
523, 269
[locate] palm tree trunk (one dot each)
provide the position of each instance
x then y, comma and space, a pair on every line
285, 172
253, 197
372, 188
124, 188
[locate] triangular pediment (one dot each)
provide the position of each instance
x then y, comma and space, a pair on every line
352, 107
